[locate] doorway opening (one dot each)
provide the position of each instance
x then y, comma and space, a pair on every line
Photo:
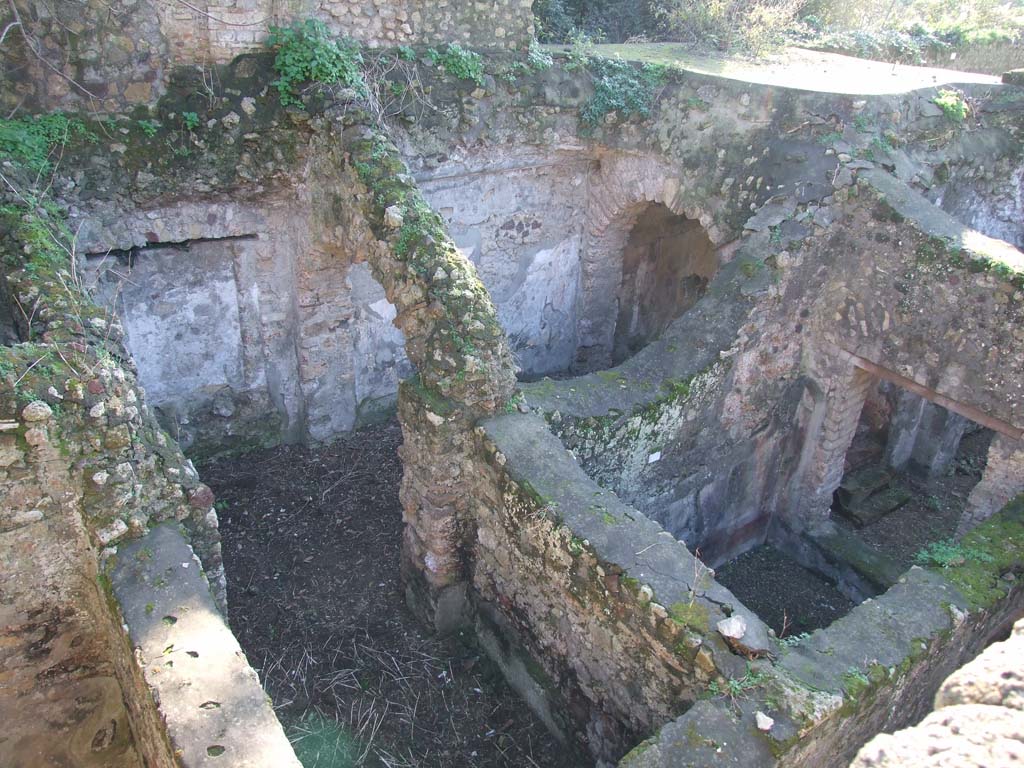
667, 264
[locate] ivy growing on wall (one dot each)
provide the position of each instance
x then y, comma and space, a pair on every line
306, 52
622, 88
29, 141
459, 62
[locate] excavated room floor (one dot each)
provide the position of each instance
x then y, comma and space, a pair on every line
934, 509
311, 546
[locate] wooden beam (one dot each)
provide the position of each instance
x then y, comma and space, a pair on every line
967, 411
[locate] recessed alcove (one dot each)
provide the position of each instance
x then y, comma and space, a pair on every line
667, 264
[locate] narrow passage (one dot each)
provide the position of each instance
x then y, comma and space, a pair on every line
311, 546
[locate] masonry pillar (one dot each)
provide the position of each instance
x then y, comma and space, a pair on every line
903, 429
1002, 481
436, 496
937, 441
828, 444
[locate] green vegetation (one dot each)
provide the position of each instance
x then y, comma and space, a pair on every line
459, 62
855, 682
735, 688
986, 33
38, 225
751, 26
148, 127
621, 88
690, 615
30, 141
794, 640
978, 564
948, 553
952, 104
307, 53
919, 31
537, 59
190, 120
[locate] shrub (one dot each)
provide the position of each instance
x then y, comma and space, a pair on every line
613, 20
621, 87
554, 20
537, 59
459, 62
952, 104
307, 53
751, 26
28, 141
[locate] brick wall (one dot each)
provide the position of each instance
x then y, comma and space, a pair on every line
1002, 480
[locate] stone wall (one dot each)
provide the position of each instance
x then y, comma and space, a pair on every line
984, 193
85, 471
977, 717
703, 415
1001, 481
109, 56
828, 693
617, 618
299, 324
518, 216
55, 630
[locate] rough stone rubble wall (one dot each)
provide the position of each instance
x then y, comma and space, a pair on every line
85, 468
119, 52
54, 629
1002, 480
616, 620
219, 30
828, 693
978, 718
281, 332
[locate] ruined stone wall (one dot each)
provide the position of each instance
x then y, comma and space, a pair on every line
985, 193
616, 619
518, 215
112, 55
976, 719
306, 349
54, 627
85, 469
827, 694
705, 489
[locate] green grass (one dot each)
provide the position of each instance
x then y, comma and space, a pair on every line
321, 742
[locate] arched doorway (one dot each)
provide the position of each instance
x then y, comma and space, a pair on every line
667, 264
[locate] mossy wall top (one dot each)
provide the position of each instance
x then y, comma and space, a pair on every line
118, 52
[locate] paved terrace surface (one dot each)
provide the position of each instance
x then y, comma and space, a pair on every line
800, 68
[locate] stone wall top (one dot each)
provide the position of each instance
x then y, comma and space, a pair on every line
109, 54
209, 697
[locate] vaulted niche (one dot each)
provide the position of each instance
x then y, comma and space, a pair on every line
666, 267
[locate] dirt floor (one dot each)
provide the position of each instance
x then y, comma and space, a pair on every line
311, 546
933, 512
789, 598
793, 600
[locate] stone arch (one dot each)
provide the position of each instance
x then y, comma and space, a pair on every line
667, 263
464, 365
622, 186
